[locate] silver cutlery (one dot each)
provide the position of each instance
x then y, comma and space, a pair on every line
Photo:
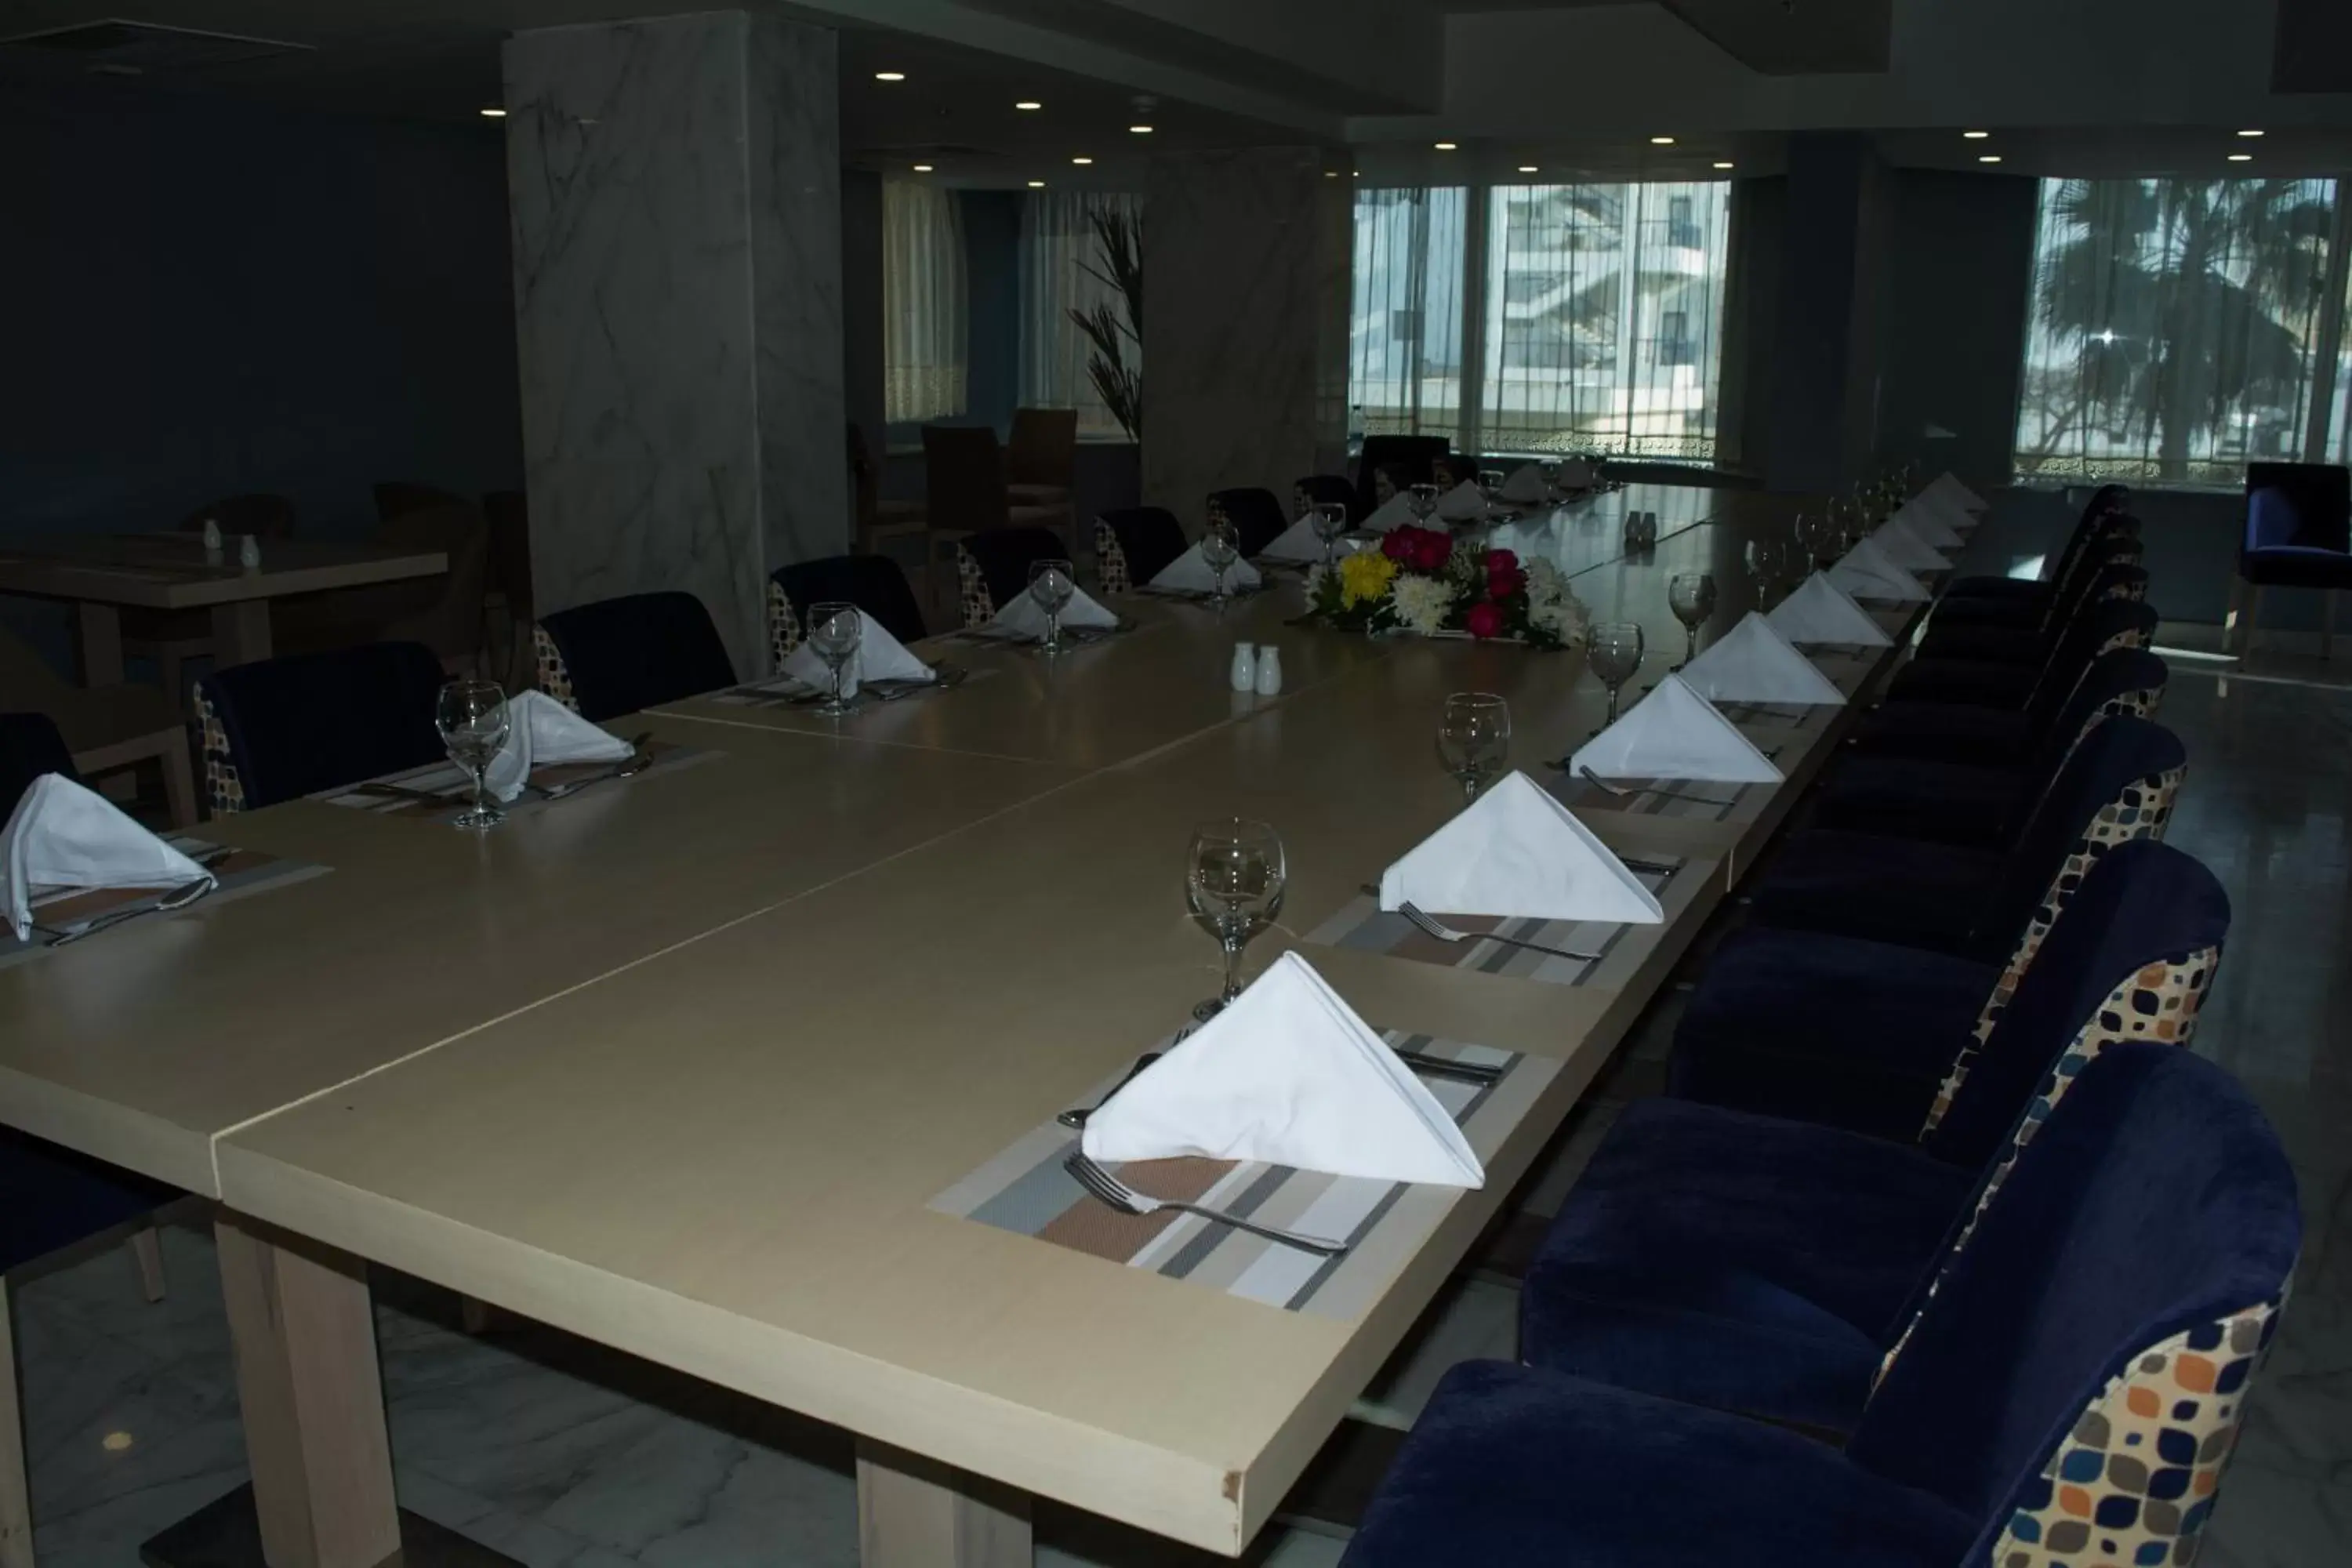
1076, 1117
404, 792
639, 762
1432, 927
1447, 1067
1587, 774
1110, 1191
179, 898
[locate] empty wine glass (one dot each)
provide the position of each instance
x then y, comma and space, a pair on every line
1614, 652
834, 630
1234, 881
1423, 499
1051, 583
1221, 547
1817, 537
1768, 564
1474, 739
1331, 521
1691, 596
472, 717
1490, 482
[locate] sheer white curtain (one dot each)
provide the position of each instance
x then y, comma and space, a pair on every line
1059, 268
1405, 370
923, 302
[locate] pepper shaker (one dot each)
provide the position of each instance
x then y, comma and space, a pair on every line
1269, 671
1244, 669
249, 552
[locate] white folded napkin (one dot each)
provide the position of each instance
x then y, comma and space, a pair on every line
1754, 663
1819, 610
62, 835
1525, 487
542, 733
1674, 733
1947, 486
1296, 542
1923, 518
1466, 502
880, 657
1288, 1075
1517, 853
1576, 474
1395, 512
1951, 513
1024, 616
1191, 574
1868, 572
1903, 543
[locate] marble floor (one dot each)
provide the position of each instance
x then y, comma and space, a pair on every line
565, 1455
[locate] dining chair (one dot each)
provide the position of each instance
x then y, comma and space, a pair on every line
1256, 515
992, 568
2298, 535
879, 521
396, 497
445, 613
2068, 1389
1409, 457
30, 745
1323, 489
875, 584
1961, 596
1134, 545
2112, 618
120, 729
1041, 458
2027, 637
282, 728
965, 492
616, 655
507, 587
173, 637
2112, 535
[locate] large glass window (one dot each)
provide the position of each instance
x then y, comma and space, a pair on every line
923, 303
1064, 269
1404, 359
2174, 333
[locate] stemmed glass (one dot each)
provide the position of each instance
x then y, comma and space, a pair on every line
1490, 482
1768, 564
1234, 881
1221, 547
1817, 537
1423, 499
1474, 739
1614, 653
1331, 521
1051, 583
834, 630
1691, 596
472, 717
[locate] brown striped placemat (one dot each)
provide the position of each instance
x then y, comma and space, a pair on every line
1026, 1191
448, 779
244, 872
1363, 926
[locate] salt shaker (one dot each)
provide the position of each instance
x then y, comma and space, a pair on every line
249, 552
1245, 671
1269, 671
212, 539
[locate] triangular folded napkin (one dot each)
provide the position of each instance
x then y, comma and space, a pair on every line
1026, 617
1867, 572
1819, 610
1517, 853
1525, 487
1754, 663
1466, 502
1674, 733
1908, 550
63, 836
544, 732
1923, 517
1191, 574
1947, 486
1288, 1075
1296, 542
1395, 512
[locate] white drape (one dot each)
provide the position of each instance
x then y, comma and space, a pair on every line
1057, 247
923, 302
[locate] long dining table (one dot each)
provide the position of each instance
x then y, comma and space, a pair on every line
686, 1064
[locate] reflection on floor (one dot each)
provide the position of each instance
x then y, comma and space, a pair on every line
561, 1454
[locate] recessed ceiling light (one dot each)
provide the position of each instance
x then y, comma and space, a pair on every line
2249, 133
1661, 141
889, 76
494, 113
1445, 146
2241, 157
1036, 184
1527, 169
1140, 129
1974, 135
1988, 158
1723, 163
1331, 173
1082, 159
922, 168
1028, 103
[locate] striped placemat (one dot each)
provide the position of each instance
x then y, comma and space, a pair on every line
1706, 800
1364, 926
785, 692
448, 779
1025, 1190
243, 873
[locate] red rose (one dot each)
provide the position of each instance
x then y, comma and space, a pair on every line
1501, 561
1485, 621
1435, 551
1502, 581
1397, 546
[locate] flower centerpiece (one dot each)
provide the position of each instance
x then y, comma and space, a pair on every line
1423, 580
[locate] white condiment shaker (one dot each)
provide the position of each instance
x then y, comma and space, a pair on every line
249, 552
1269, 671
1245, 671
212, 538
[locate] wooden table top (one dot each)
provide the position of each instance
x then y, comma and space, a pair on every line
169, 571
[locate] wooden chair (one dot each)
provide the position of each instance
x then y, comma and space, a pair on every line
105, 728
509, 591
1042, 458
966, 492
396, 497
444, 612
878, 521
171, 638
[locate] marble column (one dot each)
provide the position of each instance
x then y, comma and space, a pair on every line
1246, 265
676, 195
1823, 419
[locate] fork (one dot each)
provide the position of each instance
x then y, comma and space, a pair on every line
179, 898
639, 761
1429, 925
1591, 777
1110, 1191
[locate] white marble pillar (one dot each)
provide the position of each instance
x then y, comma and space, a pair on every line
676, 207
1245, 263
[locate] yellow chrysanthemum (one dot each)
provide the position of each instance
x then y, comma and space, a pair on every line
1364, 578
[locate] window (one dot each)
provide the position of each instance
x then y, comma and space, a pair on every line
1404, 340
922, 304
2175, 328
1063, 269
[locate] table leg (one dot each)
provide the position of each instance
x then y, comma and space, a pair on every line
241, 632
100, 626
915, 1513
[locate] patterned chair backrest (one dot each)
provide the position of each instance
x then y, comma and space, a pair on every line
2077, 1376
1142, 541
617, 656
1323, 489
1256, 515
282, 728
2107, 623
29, 747
2086, 578
875, 584
2124, 680
993, 568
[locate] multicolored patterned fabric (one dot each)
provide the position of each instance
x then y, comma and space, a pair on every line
2130, 637
223, 788
554, 676
978, 604
784, 628
1110, 561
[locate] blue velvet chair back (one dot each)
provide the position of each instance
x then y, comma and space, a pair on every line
1006, 554
2121, 680
1256, 515
29, 747
2098, 521
2075, 1378
875, 584
2306, 506
1323, 489
2129, 959
640, 649
2103, 624
2085, 579
2118, 786
51, 1197
1149, 537
303, 723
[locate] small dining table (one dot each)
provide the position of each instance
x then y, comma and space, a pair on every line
103, 573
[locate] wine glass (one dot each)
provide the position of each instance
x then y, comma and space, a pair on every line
1221, 547
472, 717
1691, 596
1423, 499
1490, 482
1051, 583
1234, 881
1817, 537
1614, 652
834, 630
1768, 564
1474, 739
1331, 521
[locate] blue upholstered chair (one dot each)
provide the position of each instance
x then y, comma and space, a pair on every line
282, 728
1324, 489
992, 568
1966, 598
1134, 545
2298, 535
2019, 631
30, 745
2120, 621
2003, 664
2067, 1392
875, 584
617, 656
1257, 518
2118, 786
1985, 802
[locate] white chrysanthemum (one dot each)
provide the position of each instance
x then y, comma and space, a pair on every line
1422, 602
1564, 617
1545, 584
